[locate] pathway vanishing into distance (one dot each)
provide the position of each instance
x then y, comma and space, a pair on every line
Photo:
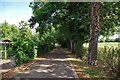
54, 65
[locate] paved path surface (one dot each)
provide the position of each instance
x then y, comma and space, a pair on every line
54, 65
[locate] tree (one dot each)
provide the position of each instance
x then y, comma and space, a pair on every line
69, 19
72, 23
25, 30
5, 29
108, 20
8, 31
95, 26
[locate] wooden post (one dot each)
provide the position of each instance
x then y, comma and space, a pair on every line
5, 51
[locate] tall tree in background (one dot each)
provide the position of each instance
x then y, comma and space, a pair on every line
93, 43
107, 26
8, 31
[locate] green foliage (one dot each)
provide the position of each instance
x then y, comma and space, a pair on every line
110, 57
117, 40
109, 21
9, 52
8, 31
24, 43
108, 40
23, 47
46, 41
80, 50
93, 73
23, 51
5, 29
72, 24
70, 20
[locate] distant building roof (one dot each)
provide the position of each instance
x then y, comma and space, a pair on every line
6, 40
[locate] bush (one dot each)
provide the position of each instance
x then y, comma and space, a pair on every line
110, 40
9, 52
23, 50
117, 40
80, 50
45, 43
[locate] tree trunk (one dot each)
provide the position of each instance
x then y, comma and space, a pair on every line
72, 46
118, 74
93, 43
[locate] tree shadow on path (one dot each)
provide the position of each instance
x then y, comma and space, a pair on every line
54, 65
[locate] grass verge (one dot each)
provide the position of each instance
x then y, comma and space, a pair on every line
87, 71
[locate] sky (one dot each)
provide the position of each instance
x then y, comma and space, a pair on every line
14, 12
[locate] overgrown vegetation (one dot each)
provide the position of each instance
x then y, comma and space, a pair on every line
23, 46
107, 63
109, 56
26, 46
108, 60
46, 41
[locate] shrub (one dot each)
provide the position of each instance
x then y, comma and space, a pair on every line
9, 52
110, 57
23, 50
80, 50
45, 43
117, 40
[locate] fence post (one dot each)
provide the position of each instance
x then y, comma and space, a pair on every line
5, 51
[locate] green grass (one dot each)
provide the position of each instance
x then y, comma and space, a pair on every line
109, 44
90, 70
93, 73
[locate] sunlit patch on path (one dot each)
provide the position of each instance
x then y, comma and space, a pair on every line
54, 65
